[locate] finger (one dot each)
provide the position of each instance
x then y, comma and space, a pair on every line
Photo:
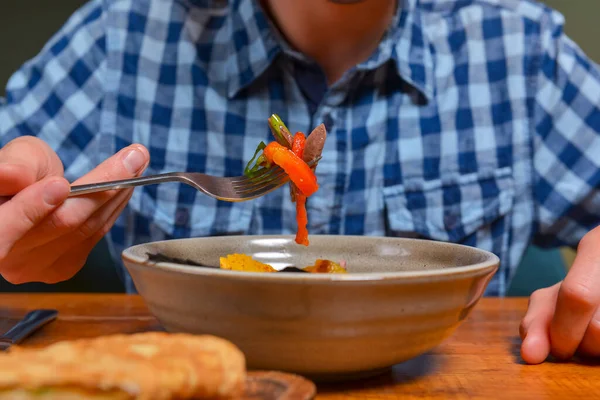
64, 267
14, 178
535, 326
75, 211
22, 269
28, 208
578, 298
537, 305
34, 154
103, 219
590, 345
23, 161
127, 163
69, 264
52, 242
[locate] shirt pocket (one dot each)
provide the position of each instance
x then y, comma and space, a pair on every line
451, 208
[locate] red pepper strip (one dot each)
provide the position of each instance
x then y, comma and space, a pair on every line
301, 220
298, 171
298, 144
301, 216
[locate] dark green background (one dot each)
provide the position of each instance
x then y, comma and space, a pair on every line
26, 25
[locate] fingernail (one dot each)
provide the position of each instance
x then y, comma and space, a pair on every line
134, 161
55, 192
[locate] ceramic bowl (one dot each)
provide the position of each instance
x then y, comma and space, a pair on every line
401, 298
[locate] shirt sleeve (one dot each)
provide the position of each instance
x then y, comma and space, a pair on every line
566, 142
57, 95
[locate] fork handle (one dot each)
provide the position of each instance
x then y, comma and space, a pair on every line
78, 190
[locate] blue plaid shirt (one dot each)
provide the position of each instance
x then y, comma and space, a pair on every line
475, 121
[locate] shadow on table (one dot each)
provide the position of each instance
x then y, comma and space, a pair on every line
515, 349
406, 372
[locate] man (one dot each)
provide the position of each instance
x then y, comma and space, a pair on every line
475, 122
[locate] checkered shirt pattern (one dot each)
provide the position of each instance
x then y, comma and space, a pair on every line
475, 121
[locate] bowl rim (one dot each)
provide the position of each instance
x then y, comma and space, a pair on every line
488, 265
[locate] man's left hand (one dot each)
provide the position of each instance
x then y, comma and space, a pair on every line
564, 319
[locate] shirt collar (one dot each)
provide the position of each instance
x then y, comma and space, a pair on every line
255, 44
405, 43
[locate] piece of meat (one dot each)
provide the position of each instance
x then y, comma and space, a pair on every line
314, 143
287, 135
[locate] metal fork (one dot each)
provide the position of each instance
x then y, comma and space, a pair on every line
233, 189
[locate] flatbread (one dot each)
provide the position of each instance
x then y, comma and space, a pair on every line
148, 366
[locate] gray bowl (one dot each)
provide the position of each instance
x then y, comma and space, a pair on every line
401, 298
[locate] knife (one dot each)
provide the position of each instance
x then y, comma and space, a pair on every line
30, 323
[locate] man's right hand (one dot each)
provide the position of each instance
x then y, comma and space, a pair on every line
44, 235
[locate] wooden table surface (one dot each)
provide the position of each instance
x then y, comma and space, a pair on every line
479, 361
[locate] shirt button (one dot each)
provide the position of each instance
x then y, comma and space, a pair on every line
450, 220
328, 122
182, 216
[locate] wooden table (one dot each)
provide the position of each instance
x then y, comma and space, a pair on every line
480, 361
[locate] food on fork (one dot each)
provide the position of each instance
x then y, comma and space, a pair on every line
299, 172
292, 154
149, 366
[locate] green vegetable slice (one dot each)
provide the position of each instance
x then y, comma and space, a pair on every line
250, 169
276, 124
